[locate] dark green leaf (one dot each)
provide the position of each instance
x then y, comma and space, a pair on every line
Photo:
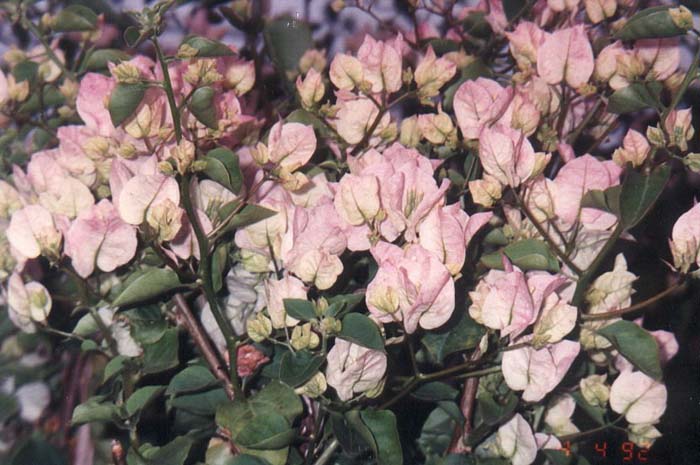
436, 433
51, 97
342, 303
207, 48
25, 71
98, 59
36, 450
192, 378
8, 407
635, 97
301, 309
492, 411
286, 40
250, 214
442, 46
464, 335
147, 324
513, 7
201, 105
639, 194
386, 443
173, 453
527, 254
281, 398
222, 167
201, 403
246, 459
656, 22
270, 430
636, 345
359, 329
114, 366
141, 398
476, 25
75, 18
133, 37
435, 391
607, 200
162, 355
124, 101
95, 409
152, 283
596, 413
297, 368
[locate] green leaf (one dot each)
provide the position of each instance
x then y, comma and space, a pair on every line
491, 411
147, 324
476, 25
342, 303
442, 46
297, 368
301, 309
113, 367
98, 59
513, 7
74, 18
35, 450
201, 105
464, 335
435, 391
201, 403
386, 443
141, 398
596, 413
150, 284
246, 459
527, 254
207, 48
281, 398
173, 453
124, 101
436, 433
635, 97
639, 194
25, 71
95, 409
8, 407
607, 200
223, 167
250, 214
270, 430
361, 330
191, 379
636, 345
51, 97
656, 22
286, 40
133, 37
163, 355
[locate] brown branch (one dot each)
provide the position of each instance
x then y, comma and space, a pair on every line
466, 405
635, 307
202, 342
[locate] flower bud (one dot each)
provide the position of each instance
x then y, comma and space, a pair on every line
165, 219
304, 338
437, 128
313, 59
656, 136
643, 434
692, 161
311, 89
314, 387
635, 150
17, 91
241, 77
330, 325
126, 73
260, 154
486, 191
186, 51
259, 327
183, 154
595, 391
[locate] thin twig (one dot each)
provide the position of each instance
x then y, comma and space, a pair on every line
635, 307
201, 340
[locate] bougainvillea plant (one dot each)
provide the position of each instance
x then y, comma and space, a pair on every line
261, 255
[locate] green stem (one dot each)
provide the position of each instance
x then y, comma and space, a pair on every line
207, 286
174, 111
49, 51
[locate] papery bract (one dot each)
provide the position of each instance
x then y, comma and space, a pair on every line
598, 10
99, 237
276, 290
32, 232
685, 239
538, 372
143, 192
479, 103
381, 62
635, 149
91, 103
353, 369
660, 56
524, 42
566, 56
346, 72
514, 441
291, 145
27, 303
640, 398
432, 73
559, 413
357, 200
411, 286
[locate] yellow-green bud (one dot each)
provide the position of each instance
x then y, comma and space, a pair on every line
314, 387
259, 327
